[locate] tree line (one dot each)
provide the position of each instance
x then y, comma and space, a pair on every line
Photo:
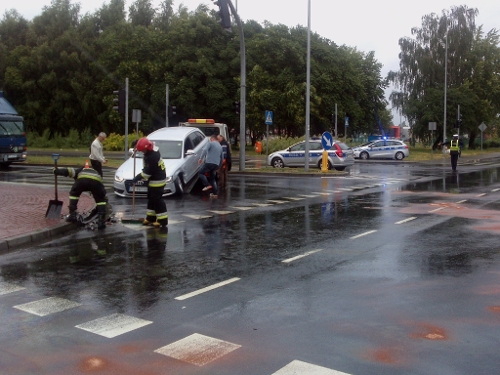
60, 69
449, 54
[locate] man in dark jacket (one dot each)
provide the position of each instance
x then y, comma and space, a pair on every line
154, 172
86, 179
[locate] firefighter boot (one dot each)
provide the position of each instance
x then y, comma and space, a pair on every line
71, 218
101, 216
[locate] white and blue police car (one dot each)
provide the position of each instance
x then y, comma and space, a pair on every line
382, 149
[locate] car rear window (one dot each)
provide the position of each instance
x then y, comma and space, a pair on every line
342, 145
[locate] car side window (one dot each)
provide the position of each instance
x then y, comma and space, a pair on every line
299, 147
188, 144
315, 146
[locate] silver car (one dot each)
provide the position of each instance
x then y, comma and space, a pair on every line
382, 149
340, 156
180, 148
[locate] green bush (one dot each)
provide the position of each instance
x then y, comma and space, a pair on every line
277, 144
116, 142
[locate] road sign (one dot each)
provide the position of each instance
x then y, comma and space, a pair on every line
327, 140
432, 126
346, 122
269, 117
482, 127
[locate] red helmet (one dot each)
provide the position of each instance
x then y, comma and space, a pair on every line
144, 144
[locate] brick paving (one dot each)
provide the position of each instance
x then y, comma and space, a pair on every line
22, 213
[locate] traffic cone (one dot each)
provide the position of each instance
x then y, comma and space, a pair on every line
87, 164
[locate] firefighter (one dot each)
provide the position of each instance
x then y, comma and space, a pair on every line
154, 173
86, 179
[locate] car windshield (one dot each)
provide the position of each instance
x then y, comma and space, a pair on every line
343, 146
167, 149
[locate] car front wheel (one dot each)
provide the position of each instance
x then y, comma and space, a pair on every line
277, 163
364, 155
320, 164
399, 156
179, 186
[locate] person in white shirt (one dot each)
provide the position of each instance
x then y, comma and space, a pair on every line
96, 153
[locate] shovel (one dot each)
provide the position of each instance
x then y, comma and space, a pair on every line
55, 205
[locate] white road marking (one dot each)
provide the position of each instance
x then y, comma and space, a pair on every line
321, 193
480, 195
307, 196
262, 204
406, 220
462, 201
437, 209
495, 190
294, 198
198, 349
222, 212
301, 256
47, 306
333, 191
6, 288
206, 289
113, 325
363, 234
276, 201
175, 221
345, 189
299, 367
198, 217
241, 208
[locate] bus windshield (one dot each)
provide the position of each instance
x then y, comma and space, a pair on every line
8, 128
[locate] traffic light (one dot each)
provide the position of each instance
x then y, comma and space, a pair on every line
172, 110
224, 15
236, 107
332, 119
119, 101
458, 124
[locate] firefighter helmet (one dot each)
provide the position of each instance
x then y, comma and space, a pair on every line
144, 144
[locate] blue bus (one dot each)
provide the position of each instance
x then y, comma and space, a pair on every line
12, 134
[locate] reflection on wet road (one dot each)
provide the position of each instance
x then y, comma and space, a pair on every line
362, 274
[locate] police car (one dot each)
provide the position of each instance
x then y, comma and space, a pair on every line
382, 149
340, 156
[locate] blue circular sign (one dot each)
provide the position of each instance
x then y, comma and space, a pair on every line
327, 140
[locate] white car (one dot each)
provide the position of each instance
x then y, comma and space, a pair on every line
340, 156
382, 149
180, 148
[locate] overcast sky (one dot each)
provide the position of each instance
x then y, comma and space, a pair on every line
366, 25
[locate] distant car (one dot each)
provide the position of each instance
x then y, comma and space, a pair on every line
382, 149
180, 148
340, 156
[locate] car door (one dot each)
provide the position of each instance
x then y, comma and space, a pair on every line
192, 142
378, 150
315, 152
296, 155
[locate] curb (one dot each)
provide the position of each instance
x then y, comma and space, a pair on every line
12, 243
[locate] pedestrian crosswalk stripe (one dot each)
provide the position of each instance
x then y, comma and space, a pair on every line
262, 204
6, 288
198, 349
437, 209
222, 212
113, 325
276, 201
242, 208
198, 217
294, 198
307, 196
300, 367
47, 306
206, 289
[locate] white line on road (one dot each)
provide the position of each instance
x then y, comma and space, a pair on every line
301, 256
480, 195
206, 289
462, 201
363, 234
406, 220
495, 190
437, 209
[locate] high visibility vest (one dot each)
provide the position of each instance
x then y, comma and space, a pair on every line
454, 146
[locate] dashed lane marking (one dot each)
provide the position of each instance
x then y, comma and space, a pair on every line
494, 190
277, 201
47, 306
301, 256
7, 288
242, 208
363, 234
113, 325
406, 220
198, 217
437, 209
207, 289
262, 204
322, 193
294, 198
462, 201
481, 195
307, 196
222, 212
198, 349
299, 367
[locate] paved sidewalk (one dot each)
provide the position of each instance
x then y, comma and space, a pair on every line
22, 217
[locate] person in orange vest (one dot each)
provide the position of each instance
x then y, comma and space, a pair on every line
86, 179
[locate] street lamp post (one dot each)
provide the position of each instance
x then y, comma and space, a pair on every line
445, 85
308, 84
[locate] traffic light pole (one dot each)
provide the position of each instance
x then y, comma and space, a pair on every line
243, 86
126, 118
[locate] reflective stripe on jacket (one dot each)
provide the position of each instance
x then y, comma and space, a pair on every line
454, 146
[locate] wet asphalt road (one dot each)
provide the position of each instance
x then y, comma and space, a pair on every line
392, 269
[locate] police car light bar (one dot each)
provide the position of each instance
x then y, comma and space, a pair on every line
201, 121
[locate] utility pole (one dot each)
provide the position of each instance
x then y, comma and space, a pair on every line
308, 84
